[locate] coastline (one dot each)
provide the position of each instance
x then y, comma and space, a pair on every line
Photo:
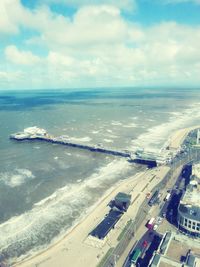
109, 194
74, 247
177, 138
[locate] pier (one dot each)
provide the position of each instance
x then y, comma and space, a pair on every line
62, 141
34, 133
38, 134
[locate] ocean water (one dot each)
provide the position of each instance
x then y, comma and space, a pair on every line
45, 189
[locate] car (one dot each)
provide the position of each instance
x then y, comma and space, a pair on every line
155, 227
145, 244
159, 220
148, 195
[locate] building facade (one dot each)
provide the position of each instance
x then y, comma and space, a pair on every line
189, 207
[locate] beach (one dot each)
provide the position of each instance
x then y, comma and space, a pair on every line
78, 248
179, 136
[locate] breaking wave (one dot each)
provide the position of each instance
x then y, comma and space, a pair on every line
53, 216
16, 178
155, 138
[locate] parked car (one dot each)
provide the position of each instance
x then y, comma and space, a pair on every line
159, 220
150, 223
148, 195
145, 244
155, 227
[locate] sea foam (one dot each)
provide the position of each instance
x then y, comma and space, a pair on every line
17, 177
155, 138
56, 213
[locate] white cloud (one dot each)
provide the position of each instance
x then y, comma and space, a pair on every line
55, 58
99, 47
90, 25
15, 16
7, 24
14, 55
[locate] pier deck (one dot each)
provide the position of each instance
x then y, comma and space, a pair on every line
62, 141
38, 134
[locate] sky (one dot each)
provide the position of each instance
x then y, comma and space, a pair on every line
50, 44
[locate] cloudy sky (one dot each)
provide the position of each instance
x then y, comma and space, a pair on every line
99, 43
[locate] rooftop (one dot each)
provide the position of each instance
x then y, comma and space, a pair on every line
156, 260
190, 202
191, 260
192, 194
104, 227
34, 130
180, 250
196, 169
123, 197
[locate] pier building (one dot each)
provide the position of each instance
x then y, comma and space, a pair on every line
30, 133
151, 158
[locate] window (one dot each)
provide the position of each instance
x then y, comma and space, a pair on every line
181, 220
198, 229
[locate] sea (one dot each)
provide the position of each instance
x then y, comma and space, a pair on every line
45, 188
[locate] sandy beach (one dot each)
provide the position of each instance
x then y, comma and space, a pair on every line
79, 249
178, 137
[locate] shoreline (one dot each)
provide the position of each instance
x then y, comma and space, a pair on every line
178, 137
45, 258
76, 248
104, 197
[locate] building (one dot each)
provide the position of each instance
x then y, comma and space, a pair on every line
35, 131
122, 201
176, 250
118, 206
190, 260
189, 207
108, 223
29, 133
155, 261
